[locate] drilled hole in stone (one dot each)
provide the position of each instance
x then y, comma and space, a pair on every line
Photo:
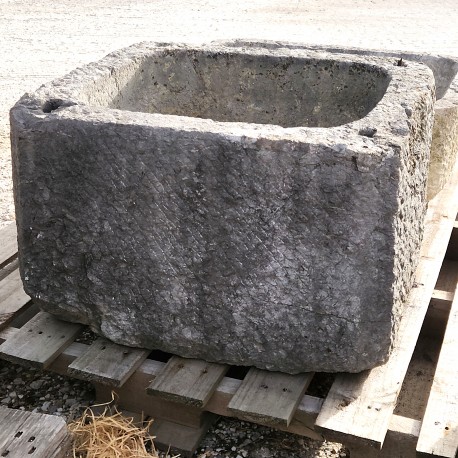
32, 450
6, 453
31, 438
52, 105
18, 434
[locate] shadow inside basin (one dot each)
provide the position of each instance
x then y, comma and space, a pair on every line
252, 88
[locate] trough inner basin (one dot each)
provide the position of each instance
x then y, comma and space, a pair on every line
235, 87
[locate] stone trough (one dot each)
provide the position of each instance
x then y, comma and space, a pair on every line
251, 205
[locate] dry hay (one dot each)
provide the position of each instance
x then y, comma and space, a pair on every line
110, 435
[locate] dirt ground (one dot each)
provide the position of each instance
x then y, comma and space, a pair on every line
43, 39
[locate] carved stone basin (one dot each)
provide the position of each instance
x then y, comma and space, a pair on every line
252, 206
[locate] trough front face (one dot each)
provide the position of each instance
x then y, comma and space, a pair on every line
256, 207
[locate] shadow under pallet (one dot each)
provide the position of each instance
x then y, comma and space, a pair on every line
403, 408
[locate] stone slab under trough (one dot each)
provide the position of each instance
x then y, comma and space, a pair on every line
261, 207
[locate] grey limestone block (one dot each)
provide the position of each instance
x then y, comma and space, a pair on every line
250, 206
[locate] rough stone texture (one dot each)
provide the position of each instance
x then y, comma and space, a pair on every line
290, 249
444, 146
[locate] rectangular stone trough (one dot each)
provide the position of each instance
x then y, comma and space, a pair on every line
252, 206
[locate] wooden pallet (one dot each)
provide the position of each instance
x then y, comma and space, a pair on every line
363, 411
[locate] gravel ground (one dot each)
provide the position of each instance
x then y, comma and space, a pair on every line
45, 39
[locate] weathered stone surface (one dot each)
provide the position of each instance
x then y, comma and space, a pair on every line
258, 207
444, 146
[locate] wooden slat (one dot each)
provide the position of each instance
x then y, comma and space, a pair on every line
8, 243
187, 381
24, 434
39, 341
358, 407
439, 430
12, 298
108, 363
269, 397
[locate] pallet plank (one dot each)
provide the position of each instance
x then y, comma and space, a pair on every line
8, 243
31, 434
187, 381
108, 363
439, 430
358, 407
39, 341
269, 397
12, 298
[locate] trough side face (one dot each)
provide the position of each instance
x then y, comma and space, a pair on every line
289, 249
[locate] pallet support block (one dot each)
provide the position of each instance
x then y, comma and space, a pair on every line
179, 438
133, 397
